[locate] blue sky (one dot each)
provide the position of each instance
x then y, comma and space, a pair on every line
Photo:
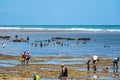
59, 12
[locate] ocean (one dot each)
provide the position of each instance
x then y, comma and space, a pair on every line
104, 40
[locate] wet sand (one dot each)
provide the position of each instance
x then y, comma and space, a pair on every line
52, 71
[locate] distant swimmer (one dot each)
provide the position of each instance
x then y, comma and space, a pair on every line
3, 45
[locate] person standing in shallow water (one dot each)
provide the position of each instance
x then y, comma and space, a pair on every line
28, 57
88, 65
115, 64
27, 39
95, 61
23, 57
64, 72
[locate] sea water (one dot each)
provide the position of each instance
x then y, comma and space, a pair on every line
104, 41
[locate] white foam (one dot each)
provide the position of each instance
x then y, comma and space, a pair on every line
72, 29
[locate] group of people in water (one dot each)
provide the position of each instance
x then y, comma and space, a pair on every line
25, 58
57, 42
46, 43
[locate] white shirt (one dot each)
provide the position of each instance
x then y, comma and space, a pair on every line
95, 57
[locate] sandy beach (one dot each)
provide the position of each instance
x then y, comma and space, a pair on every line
52, 71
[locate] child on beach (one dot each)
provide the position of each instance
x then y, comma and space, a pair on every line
21, 60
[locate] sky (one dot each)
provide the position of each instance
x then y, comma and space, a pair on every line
59, 12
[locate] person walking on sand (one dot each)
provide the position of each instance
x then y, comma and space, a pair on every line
115, 64
95, 60
64, 72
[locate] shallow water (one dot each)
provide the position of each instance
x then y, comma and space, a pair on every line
95, 46
58, 61
41, 79
61, 61
49, 69
100, 69
93, 77
9, 63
